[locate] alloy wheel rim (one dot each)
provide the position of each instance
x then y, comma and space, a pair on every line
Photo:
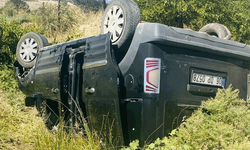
114, 22
28, 50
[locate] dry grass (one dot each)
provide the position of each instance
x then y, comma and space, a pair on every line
79, 24
20, 127
88, 24
17, 125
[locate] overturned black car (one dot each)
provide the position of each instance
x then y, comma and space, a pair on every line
137, 81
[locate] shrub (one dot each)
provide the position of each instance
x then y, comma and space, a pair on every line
13, 7
10, 33
8, 40
221, 123
90, 5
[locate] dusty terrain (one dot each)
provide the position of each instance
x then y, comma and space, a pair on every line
2, 2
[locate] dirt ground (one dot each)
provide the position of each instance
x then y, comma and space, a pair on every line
2, 2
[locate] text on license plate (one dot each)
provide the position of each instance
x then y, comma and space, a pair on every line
207, 79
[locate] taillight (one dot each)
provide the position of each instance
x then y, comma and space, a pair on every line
152, 69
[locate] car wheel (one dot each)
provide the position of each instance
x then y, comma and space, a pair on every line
121, 18
218, 30
28, 47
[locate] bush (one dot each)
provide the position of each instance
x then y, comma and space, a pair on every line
221, 123
8, 40
10, 33
195, 14
13, 7
90, 5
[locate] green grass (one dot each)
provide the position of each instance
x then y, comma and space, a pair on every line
22, 128
221, 123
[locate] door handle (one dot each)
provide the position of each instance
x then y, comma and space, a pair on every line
90, 90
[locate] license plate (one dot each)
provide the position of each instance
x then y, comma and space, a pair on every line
208, 79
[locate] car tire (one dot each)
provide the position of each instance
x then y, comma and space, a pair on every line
218, 30
121, 18
45, 41
28, 47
